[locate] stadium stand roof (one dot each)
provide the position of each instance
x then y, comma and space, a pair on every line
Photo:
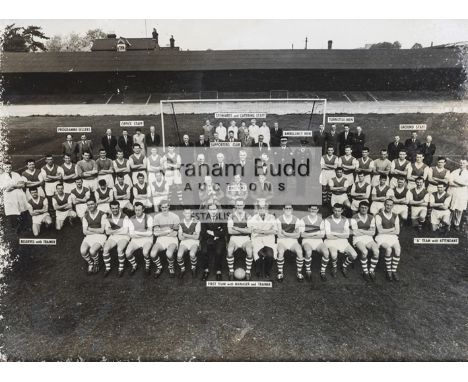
173, 60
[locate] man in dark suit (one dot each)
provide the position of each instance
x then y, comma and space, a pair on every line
359, 142
275, 135
109, 143
84, 145
125, 143
394, 148
412, 146
345, 138
428, 150
260, 147
70, 148
152, 139
186, 150
320, 138
213, 242
332, 139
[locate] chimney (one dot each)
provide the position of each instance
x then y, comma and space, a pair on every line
155, 35
172, 42
330, 44
112, 35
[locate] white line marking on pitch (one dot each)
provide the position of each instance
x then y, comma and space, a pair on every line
109, 99
344, 94
149, 97
370, 95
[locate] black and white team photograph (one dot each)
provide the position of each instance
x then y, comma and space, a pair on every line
233, 190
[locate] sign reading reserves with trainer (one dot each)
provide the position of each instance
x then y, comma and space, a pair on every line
240, 115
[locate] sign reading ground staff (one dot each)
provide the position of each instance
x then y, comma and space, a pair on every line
436, 240
132, 123
240, 115
38, 241
340, 119
239, 284
413, 126
297, 133
62, 129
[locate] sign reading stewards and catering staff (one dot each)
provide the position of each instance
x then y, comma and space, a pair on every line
340, 119
240, 115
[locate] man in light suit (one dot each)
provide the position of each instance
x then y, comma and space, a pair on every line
70, 148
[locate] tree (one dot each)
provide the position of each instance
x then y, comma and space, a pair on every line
417, 46
55, 44
75, 42
92, 35
31, 34
12, 39
386, 45
20, 39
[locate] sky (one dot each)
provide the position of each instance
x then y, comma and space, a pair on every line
267, 34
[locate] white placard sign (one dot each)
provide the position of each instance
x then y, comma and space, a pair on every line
297, 133
38, 241
132, 123
436, 240
71, 129
340, 119
413, 126
225, 144
240, 115
239, 284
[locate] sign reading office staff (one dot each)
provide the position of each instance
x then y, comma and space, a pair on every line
132, 123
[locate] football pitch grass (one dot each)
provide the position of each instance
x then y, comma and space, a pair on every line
52, 310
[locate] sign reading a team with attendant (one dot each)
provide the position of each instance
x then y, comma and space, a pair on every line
340, 119
240, 115
413, 126
73, 129
132, 123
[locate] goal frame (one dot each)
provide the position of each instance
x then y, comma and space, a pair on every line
218, 100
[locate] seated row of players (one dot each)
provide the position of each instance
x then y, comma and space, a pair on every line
372, 169
262, 237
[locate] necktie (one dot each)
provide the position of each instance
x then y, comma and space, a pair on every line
69, 143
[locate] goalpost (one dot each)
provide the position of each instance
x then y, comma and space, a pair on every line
296, 116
